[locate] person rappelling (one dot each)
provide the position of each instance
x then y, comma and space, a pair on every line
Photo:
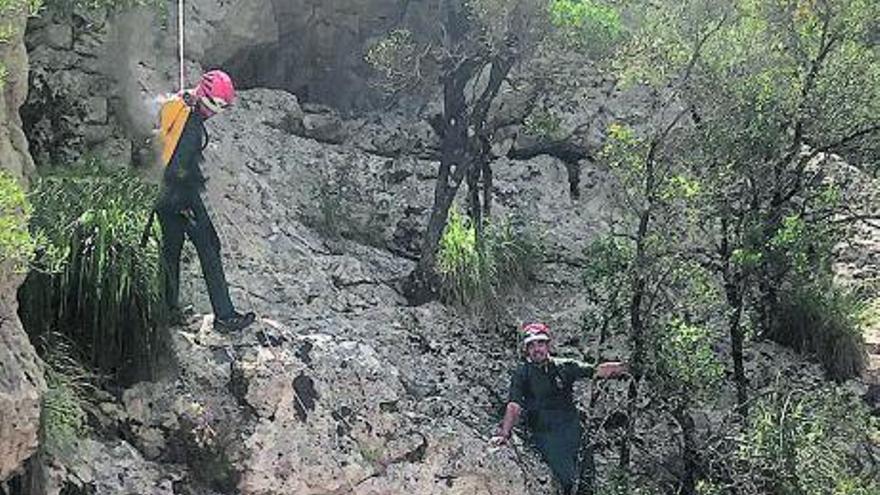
179, 208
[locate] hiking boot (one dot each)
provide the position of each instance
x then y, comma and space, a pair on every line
234, 323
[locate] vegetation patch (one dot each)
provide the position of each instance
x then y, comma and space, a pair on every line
478, 274
69, 394
826, 322
92, 280
807, 441
16, 244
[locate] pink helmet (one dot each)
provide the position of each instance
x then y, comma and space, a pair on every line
215, 91
534, 332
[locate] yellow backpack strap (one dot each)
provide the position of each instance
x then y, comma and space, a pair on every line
172, 118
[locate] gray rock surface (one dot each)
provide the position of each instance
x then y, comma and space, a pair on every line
342, 386
21, 376
21, 381
14, 155
108, 468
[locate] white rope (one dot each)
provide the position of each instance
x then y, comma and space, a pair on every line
180, 39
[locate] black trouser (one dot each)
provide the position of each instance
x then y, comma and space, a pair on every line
559, 436
192, 220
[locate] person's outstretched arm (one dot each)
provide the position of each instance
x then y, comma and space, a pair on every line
514, 407
511, 416
611, 369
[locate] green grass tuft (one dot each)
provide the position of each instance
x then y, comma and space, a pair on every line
478, 277
91, 279
70, 390
826, 322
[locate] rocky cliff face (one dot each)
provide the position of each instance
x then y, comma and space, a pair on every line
14, 156
95, 74
341, 387
21, 379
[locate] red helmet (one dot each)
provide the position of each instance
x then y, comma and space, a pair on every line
215, 91
533, 332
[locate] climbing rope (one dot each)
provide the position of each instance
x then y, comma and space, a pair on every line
180, 40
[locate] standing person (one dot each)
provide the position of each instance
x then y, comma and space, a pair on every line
180, 208
541, 387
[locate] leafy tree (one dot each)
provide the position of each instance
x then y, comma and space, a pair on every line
737, 176
470, 56
779, 88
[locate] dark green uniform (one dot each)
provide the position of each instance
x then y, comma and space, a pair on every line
544, 391
181, 212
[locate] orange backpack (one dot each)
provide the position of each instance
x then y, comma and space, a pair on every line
172, 118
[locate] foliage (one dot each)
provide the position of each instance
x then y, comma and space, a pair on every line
823, 320
16, 244
620, 482
479, 276
624, 152
686, 361
762, 82
608, 259
587, 25
91, 279
396, 58
806, 441
70, 388
68, 6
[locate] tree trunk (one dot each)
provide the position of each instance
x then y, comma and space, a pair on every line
734, 290
475, 205
636, 335
689, 450
487, 189
736, 342
422, 285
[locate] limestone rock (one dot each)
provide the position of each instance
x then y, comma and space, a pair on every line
21, 382
21, 376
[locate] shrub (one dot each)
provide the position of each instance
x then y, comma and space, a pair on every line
16, 244
70, 388
825, 321
687, 366
91, 279
806, 441
587, 25
478, 276
606, 287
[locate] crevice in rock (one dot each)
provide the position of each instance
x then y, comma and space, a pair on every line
305, 396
